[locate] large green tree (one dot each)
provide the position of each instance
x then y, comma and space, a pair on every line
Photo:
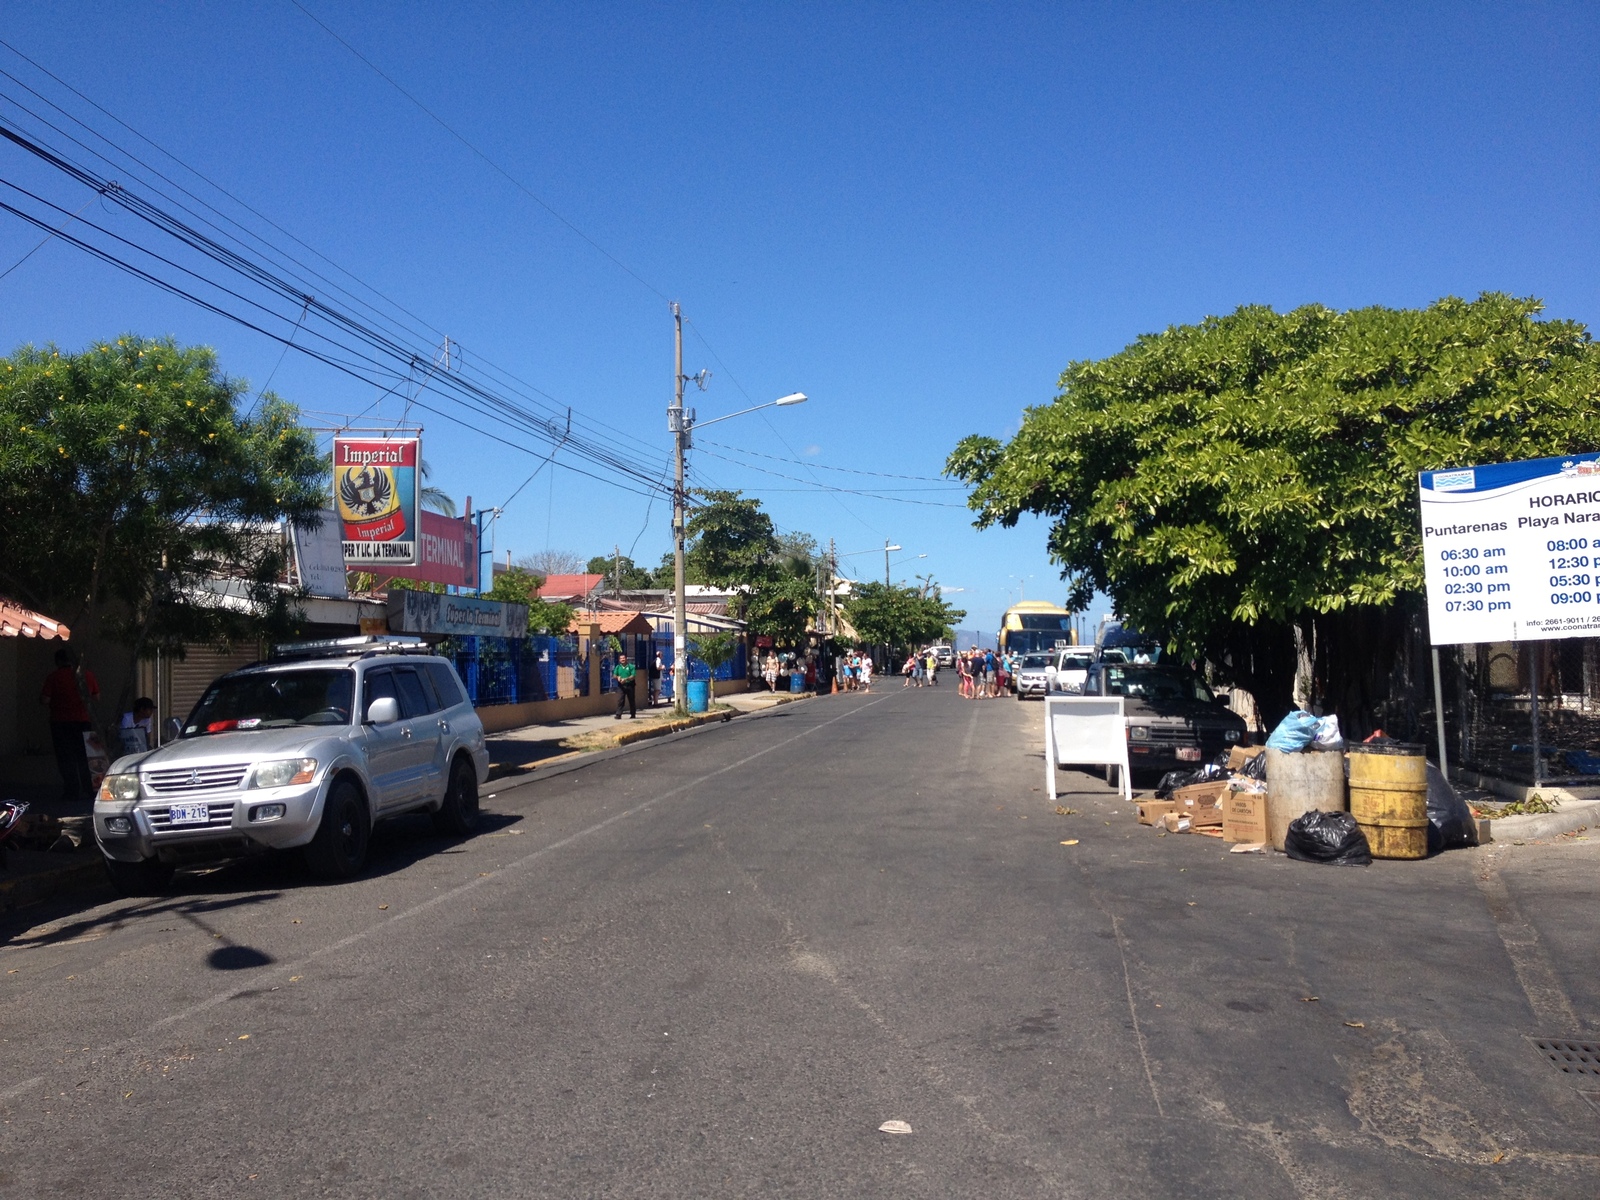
900, 617
1242, 483
620, 572
518, 585
732, 541
132, 481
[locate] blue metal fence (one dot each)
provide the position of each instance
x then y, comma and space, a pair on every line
514, 670
698, 670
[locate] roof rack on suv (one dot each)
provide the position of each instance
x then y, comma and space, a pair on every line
376, 643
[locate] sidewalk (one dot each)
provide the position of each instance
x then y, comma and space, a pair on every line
518, 751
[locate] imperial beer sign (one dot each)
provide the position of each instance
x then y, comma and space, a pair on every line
375, 489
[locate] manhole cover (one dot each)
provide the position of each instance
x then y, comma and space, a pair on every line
1571, 1058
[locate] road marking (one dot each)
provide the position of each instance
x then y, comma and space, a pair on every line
461, 889
966, 743
1540, 984
1133, 1011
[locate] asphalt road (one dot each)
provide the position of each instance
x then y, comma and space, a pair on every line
715, 965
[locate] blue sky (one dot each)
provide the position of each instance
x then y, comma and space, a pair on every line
916, 214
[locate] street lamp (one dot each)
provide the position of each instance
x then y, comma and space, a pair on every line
896, 563
681, 423
887, 549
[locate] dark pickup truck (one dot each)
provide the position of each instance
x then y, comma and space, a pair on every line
1173, 718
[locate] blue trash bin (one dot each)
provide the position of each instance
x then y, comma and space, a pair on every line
797, 683
699, 693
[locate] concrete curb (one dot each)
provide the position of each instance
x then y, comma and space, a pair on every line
1569, 818
579, 759
43, 885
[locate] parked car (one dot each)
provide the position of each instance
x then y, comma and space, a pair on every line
1173, 718
1031, 677
1070, 668
944, 654
307, 750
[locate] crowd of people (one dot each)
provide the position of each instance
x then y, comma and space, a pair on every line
984, 674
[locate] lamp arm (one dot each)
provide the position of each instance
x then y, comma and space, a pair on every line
730, 416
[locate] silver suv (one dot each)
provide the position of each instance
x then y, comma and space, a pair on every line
308, 749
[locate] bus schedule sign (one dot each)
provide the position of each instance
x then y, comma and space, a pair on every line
1509, 550
376, 482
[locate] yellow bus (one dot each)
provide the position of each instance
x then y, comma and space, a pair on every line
1035, 625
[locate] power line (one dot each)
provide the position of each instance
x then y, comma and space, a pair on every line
799, 462
496, 167
371, 342
492, 369
825, 487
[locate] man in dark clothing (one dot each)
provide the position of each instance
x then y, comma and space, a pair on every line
625, 673
69, 721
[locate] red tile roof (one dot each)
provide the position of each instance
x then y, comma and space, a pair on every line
611, 622
16, 621
556, 586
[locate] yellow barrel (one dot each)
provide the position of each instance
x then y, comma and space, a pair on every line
1389, 798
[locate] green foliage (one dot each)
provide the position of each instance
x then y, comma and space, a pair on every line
899, 617
782, 605
130, 479
1228, 481
632, 576
401, 584
714, 649
518, 585
733, 541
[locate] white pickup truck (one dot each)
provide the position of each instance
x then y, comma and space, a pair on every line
1070, 669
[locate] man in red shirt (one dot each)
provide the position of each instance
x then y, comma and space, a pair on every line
69, 721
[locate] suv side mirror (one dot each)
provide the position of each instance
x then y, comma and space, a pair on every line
385, 710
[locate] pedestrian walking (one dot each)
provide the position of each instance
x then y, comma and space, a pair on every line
625, 673
769, 671
657, 669
67, 698
866, 672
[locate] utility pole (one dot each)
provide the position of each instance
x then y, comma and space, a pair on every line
616, 575
680, 607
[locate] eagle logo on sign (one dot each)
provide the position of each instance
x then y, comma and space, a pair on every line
367, 492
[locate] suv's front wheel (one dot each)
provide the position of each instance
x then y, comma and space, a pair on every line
339, 849
458, 814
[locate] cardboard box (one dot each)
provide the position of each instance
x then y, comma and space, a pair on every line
1200, 795
1151, 811
1175, 822
1239, 755
1209, 815
1244, 817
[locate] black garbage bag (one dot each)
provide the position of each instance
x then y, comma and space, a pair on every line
1255, 767
1450, 822
1173, 780
1327, 837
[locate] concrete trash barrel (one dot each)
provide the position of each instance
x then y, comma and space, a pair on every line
1389, 798
1298, 782
699, 695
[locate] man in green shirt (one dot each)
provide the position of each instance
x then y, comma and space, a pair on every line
625, 673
